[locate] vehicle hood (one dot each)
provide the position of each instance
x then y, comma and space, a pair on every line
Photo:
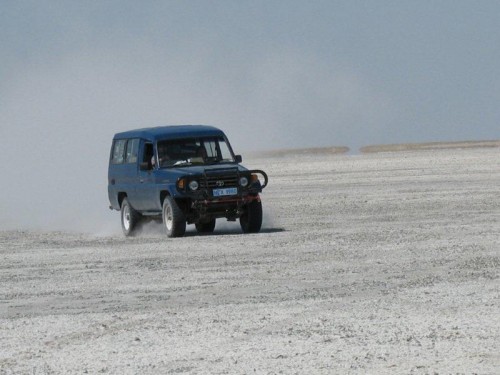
198, 169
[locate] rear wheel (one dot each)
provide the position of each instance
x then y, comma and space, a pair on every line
206, 227
251, 220
173, 218
129, 218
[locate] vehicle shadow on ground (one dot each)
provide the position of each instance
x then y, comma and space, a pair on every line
157, 229
231, 232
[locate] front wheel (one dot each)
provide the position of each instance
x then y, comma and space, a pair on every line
130, 218
251, 220
173, 218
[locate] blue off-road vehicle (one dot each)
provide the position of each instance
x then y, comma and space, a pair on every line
180, 175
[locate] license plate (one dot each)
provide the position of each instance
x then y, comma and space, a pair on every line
224, 192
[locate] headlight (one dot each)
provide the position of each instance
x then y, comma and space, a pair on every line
193, 185
243, 181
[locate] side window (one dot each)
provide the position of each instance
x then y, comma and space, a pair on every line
118, 151
132, 150
148, 154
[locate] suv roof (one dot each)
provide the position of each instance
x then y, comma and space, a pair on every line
170, 131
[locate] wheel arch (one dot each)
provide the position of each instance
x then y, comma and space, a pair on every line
163, 195
121, 196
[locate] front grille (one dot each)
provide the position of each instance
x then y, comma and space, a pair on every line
215, 181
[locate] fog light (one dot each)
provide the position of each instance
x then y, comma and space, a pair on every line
243, 181
193, 185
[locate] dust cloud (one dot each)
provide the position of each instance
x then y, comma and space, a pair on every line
57, 119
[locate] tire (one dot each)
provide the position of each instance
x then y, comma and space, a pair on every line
207, 227
129, 218
173, 218
251, 220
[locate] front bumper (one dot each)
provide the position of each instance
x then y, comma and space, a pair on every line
229, 207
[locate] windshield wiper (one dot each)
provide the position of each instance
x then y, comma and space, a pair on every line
179, 163
212, 160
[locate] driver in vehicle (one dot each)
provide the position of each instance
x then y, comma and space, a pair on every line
201, 152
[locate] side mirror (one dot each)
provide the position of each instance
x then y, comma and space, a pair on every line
144, 166
238, 158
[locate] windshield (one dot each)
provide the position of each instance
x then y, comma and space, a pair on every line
193, 151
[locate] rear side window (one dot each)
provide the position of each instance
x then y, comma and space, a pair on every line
132, 150
118, 151
125, 151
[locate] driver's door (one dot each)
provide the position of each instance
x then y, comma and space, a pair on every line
145, 188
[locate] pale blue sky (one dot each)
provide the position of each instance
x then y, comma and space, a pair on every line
350, 72
272, 74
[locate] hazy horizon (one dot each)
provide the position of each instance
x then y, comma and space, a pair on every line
272, 75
